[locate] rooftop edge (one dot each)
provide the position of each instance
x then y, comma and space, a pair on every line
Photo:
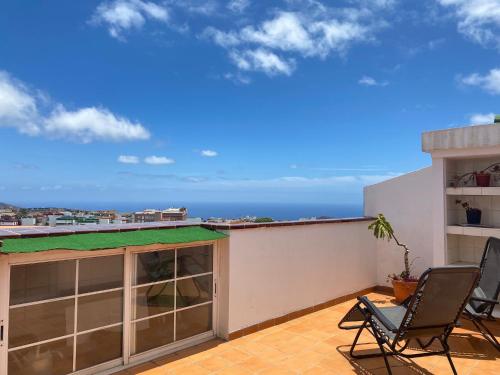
472, 136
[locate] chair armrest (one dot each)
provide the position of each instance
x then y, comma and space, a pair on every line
375, 311
486, 300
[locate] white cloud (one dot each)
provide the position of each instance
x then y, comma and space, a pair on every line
122, 15
51, 188
262, 60
285, 32
128, 159
202, 7
238, 6
306, 28
21, 108
90, 124
482, 118
18, 107
221, 38
158, 160
238, 78
489, 82
209, 153
479, 20
290, 182
370, 81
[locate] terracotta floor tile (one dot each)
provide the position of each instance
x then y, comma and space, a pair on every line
234, 370
234, 355
313, 344
255, 364
214, 363
276, 371
189, 370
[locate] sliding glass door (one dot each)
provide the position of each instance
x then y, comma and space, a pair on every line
65, 316
172, 296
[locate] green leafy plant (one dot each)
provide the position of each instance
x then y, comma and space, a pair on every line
382, 229
263, 220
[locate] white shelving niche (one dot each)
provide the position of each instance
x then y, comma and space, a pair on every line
465, 244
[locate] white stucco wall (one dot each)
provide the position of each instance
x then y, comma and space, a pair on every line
275, 271
407, 202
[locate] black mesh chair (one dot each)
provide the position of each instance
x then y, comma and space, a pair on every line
429, 315
485, 297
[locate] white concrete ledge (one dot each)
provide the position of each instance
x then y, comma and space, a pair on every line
459, 138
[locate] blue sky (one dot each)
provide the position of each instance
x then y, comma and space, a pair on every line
277, 101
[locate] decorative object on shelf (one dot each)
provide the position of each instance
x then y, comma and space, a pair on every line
473, 214
403, 284
481, 178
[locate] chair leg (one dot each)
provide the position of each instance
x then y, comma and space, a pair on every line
363, 326
488, 335
380, 344
446, 348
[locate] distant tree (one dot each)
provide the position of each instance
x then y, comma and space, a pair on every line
23, 212
264, 220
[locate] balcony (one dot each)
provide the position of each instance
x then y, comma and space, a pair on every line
313, 344
235, 299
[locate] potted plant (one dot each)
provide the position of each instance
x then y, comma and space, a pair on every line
473, 214
482, 178
403, 284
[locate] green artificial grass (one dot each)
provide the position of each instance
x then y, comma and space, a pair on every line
98, 241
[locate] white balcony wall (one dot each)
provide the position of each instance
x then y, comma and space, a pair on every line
278, 270
407, 202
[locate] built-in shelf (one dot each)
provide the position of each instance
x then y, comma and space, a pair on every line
462, 263
492, 190
473, 231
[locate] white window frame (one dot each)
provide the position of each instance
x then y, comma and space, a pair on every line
176, 345
127, 360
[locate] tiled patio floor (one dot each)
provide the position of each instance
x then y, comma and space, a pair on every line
313, 344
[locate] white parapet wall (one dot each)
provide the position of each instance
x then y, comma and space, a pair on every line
274, 271
407, 202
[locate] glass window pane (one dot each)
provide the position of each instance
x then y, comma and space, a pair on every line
194, 260
153, 299
100, 273
39, 281
194, 321
194, 290
40, 322
153, 333
53, 358
98, 310
155, 266
98, 347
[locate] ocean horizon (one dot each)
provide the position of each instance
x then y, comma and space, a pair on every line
227, 210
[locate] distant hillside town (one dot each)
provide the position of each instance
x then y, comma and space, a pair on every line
11, 215
15, 216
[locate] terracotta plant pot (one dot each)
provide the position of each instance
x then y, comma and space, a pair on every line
403, 289
482, 179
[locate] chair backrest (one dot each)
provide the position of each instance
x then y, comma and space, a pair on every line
490, 269
440, 297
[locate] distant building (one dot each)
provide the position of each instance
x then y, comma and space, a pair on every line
151, 215
147, 216
28, 221
8, 220
174, 214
